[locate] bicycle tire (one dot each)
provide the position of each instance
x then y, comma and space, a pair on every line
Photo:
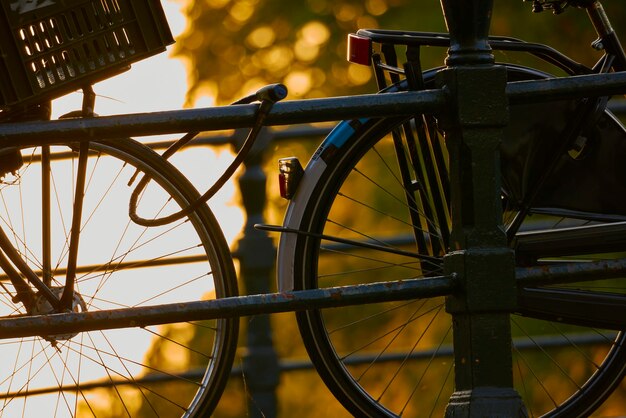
346, 167
176, 369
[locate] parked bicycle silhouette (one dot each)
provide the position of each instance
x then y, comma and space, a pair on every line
84, 282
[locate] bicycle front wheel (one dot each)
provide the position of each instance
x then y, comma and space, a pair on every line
384, 182
176, 369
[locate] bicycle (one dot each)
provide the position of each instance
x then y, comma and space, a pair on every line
373, 204
69, 246
74, 280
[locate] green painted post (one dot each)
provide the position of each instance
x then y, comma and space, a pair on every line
479, 254
256, 254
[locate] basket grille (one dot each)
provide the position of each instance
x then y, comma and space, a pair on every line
53, 50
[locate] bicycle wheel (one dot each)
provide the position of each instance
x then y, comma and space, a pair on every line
176, 369
395, 359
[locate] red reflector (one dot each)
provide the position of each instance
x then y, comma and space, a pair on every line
290, 172
282, 183
359, 50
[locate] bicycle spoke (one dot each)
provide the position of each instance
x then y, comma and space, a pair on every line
395, 375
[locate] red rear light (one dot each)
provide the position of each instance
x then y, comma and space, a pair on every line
359, 50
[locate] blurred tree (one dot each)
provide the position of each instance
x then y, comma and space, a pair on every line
234, 46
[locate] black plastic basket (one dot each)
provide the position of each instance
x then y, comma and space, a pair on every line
51, 47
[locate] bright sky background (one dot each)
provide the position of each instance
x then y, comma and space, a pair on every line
156, 84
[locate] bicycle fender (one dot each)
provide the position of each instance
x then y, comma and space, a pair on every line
297, 205
292, 220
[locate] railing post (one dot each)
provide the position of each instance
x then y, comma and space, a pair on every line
256, 254
478, 254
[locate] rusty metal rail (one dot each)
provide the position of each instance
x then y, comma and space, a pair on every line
296, 111
237, 306
226, 307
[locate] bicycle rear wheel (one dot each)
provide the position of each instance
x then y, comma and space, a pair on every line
176, 369
392, 359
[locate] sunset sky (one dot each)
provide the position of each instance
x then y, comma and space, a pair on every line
156, 84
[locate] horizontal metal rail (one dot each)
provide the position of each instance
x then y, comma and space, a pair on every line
520, 344
223, 117
570, 272
295, 112
242, 305
553, 89
63, 323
